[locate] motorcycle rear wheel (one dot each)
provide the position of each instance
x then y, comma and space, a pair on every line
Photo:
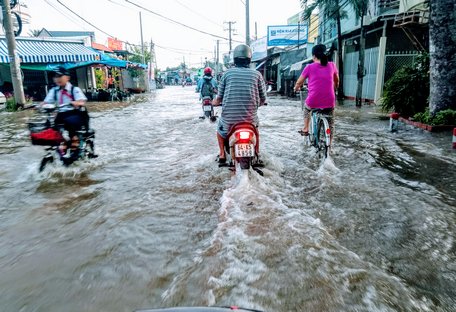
244, 162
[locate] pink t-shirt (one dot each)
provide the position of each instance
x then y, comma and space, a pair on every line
320, 84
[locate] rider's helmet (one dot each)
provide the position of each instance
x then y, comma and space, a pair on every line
242, 55
61, 71
208, 71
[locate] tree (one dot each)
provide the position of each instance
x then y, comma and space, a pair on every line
360, 7
442, 47
137, 54
34, 32
333, 10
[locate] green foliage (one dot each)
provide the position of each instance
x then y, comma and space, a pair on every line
100, 78
137, 54
135, 72
10, 105
444, 117
116, 74
407, 92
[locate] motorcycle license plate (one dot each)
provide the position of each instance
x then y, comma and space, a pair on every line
207, 108
244, 150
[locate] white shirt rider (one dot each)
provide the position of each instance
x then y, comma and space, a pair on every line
64, 97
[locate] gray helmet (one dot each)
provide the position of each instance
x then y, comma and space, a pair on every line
242, 52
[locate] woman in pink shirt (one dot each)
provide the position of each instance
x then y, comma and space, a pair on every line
323, 81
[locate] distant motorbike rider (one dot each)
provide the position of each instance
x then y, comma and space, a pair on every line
241, 91
70, 102
207, 86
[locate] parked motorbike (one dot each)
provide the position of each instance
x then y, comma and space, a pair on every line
208, 109
43, 132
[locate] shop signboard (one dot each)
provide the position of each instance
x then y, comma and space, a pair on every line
259, 49
286, 35
114, 44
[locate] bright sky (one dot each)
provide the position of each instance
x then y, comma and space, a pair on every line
121, 19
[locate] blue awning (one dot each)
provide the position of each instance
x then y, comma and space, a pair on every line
31, 50
261, 64
107, 61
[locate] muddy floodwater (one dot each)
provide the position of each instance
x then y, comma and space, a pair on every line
153, 222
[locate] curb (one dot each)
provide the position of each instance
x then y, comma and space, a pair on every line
426, 127
454, 138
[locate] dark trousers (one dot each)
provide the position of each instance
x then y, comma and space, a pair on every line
72, 121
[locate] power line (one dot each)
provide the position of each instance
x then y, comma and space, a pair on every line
174, 21
183, 52
82, 18
199, 14
66, 15
119, 4
175, 50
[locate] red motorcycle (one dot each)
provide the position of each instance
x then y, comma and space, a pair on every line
242, 148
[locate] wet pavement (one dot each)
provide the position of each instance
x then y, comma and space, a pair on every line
153, 222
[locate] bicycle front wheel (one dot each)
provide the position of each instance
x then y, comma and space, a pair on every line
322, 135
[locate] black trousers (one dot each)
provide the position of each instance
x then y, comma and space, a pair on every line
73, 120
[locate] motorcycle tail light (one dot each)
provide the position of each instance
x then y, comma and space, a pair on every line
244, 135
328, 131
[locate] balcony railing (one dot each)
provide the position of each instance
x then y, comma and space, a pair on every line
413, 17
388, 5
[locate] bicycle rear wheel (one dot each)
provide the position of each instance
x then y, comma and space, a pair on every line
321, 135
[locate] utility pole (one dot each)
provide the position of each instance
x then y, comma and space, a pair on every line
142, 39
247, 22
142, 50
152, 84
15, 68
362, 47
230, 31
256, 31
299, 30
217, 60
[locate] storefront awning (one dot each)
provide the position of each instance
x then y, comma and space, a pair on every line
298, 65
261, 64
31, 50
102, 59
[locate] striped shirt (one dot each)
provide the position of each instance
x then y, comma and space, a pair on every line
241, 90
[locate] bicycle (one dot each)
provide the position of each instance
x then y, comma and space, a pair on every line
319, 131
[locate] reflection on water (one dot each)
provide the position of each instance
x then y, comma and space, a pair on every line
154, 222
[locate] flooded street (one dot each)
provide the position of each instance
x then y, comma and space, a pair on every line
153, 222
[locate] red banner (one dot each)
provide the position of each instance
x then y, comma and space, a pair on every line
115, 44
